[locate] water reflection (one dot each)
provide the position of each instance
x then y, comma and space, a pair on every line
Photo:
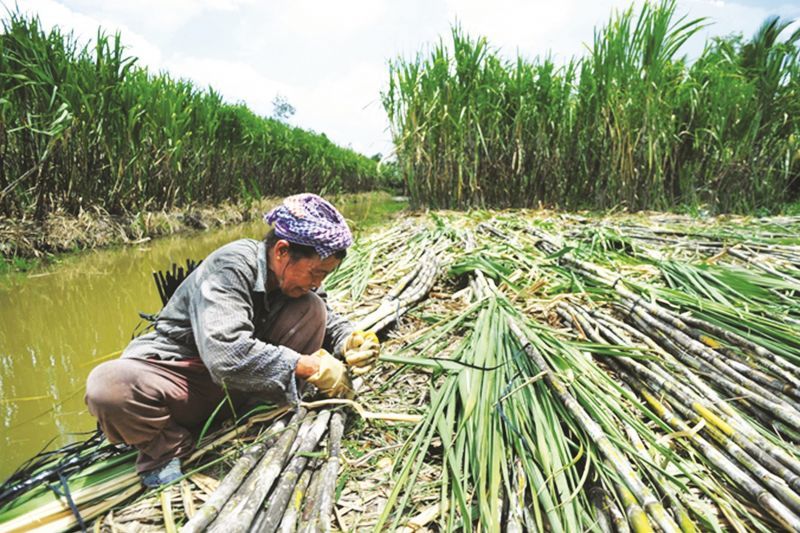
58, 324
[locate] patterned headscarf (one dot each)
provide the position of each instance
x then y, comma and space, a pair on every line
312, 221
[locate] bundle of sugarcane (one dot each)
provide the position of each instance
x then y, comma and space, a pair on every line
491, 411
637, 497
78, 498
770, 379
750, 302
267, 493
767, 476
591, 398
764, 468
492, 458
768, 254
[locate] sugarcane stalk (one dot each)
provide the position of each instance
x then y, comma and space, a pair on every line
726, 420
576, 314
390, 309
752, 260
771, 504
187, 500
777, 385
239, 512
310, 509
631, 486
737, 446
784, 378
302, 433
737, 340
276, 505
59, 512
65, 520
749, 391
328, 487
758, 394
777, 485
750, 441
684, 520
232, 480
637, 518
289, 520
614, 458
516, 500
781, 380
395, 291
166, 510
748, 400
602, 509
700, 345
676, 329
696, 409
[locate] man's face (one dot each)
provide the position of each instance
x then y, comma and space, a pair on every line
296, 278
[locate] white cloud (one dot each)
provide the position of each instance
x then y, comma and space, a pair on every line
323, 19
725, 18
348, 109
534, 27
84, 27
162, 16
236, 81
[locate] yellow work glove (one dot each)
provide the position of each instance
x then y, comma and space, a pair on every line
361, 350
332, 378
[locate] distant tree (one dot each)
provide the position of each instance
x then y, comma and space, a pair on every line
281, 108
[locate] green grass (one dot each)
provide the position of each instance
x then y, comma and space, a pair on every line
791, 209
369, 210
20, 266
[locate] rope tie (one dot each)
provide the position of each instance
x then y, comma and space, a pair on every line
64, 492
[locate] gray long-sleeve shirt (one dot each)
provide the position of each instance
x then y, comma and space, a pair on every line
222, 313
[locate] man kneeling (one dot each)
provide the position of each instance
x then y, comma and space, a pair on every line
246, 322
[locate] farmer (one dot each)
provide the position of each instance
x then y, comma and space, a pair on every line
247, 321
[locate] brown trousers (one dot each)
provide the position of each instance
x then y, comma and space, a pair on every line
155, 405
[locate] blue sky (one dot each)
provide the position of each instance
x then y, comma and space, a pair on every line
329, 58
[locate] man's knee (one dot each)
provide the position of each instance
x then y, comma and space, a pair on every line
308, 309
108, 387
301, 324
315, 310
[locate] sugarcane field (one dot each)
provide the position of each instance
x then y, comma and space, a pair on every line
565, 296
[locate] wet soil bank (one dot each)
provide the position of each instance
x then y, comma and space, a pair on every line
25, 244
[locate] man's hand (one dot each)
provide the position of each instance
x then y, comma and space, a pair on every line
361, 350
331, 376
307, 366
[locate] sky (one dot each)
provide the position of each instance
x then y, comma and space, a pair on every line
329, 58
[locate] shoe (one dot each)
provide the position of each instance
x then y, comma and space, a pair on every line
166, 473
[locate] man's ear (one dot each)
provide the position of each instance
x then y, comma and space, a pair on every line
281, 248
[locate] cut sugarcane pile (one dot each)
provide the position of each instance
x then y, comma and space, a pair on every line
626, 373
572, 373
